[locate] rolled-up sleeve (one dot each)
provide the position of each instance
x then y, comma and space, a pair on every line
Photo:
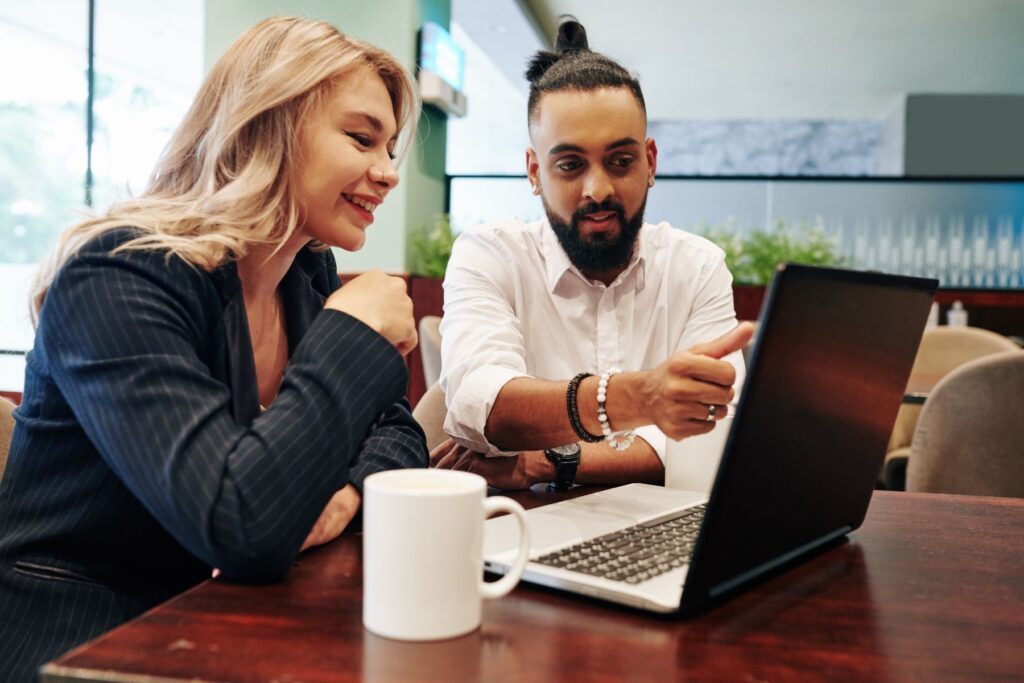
481, 338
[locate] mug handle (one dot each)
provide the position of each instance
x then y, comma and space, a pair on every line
505, 584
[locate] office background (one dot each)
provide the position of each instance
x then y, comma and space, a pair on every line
898, 130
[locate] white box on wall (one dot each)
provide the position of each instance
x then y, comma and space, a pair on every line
436, 91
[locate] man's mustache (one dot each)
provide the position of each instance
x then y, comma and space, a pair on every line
593, 207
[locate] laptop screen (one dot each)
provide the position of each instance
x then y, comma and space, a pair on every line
825, 382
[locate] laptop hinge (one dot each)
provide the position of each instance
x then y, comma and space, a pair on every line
727, 586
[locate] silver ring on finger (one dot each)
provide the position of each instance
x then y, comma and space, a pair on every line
711, 412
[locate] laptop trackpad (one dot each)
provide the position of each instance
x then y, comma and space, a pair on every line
570, 521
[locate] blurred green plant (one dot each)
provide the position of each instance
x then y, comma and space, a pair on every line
752, 256
432, 248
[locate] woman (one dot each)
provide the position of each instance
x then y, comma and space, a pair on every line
201, 394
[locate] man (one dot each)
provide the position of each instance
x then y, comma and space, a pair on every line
589, 290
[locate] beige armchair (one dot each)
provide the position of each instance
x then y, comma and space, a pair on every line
431, 412
970, 436
430, 348
942, 350
6, 431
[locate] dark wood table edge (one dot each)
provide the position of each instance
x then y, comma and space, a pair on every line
54, 672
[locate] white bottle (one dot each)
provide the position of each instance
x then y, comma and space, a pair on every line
956, 316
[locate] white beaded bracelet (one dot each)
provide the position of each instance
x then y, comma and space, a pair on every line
619, 441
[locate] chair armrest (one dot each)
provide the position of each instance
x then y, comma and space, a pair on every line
894, 469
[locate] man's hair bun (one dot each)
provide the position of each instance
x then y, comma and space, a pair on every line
574, 66
571, 36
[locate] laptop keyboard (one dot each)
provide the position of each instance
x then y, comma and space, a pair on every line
634, 554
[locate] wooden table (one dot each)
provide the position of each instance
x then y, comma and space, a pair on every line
931, 588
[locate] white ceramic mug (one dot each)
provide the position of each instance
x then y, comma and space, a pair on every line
692, 463
423, 552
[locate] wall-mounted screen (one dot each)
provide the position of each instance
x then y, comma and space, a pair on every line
440, 54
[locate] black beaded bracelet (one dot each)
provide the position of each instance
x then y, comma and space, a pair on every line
573, 409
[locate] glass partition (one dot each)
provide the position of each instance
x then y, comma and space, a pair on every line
969, 234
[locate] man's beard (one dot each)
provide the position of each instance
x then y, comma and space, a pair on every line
600, 253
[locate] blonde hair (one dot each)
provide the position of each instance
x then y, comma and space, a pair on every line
224, 180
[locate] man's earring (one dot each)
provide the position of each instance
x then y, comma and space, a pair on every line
650, 182
535, 188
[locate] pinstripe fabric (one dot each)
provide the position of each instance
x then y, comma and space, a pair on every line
140, 458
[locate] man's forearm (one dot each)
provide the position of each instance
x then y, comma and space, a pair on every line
531, 414
600, 464
677, 396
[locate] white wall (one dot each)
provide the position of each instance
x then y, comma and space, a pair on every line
805, 59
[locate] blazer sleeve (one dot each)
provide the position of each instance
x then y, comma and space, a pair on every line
395, 440
122, 335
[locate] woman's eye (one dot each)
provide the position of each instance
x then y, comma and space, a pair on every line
363, 140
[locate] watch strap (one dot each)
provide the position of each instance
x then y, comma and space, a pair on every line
565, 470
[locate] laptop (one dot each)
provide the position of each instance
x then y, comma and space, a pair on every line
825, 380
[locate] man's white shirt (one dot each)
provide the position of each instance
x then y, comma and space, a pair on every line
515, 306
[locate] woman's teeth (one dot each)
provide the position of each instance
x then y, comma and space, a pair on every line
361, 203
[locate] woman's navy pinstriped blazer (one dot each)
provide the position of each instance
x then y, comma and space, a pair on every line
140, 458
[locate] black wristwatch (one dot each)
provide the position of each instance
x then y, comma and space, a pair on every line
565, 459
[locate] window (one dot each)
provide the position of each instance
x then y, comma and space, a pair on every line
485, 159
42, 152
147, 65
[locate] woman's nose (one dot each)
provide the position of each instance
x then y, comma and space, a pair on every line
384, 174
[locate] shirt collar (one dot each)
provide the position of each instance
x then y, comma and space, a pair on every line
558, 265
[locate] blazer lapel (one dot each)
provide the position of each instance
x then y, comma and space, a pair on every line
302, 303
245, 393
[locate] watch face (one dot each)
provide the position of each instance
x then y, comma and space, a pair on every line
568, 449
